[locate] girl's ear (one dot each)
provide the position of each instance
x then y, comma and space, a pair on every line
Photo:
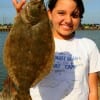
50, 17
49, 14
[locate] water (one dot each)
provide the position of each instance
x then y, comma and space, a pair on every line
3, 72
94, 35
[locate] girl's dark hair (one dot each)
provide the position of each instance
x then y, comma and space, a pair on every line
79, 3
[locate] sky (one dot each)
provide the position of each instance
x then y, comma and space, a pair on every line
91, 15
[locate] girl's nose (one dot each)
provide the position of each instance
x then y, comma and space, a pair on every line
68, 19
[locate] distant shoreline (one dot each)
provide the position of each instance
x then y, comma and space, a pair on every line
7, 27
77, 30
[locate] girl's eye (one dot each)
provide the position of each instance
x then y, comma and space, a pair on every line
75, 15
61, 12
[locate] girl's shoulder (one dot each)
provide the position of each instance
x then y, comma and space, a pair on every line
86, 41
87, 44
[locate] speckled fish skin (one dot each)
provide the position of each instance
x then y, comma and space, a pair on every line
29, 48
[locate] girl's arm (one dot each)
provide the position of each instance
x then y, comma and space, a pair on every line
93, 86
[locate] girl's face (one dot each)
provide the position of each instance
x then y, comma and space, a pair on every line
65, 19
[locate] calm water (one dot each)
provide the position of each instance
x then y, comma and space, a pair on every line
94, 35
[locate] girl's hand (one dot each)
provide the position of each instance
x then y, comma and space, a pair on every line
18, 5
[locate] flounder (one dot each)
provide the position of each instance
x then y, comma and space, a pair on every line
29, 48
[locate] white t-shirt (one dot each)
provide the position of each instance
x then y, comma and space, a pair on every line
68, 80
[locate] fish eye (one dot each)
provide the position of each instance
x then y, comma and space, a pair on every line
39, 6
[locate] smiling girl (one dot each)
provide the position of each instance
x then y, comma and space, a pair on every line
77, 60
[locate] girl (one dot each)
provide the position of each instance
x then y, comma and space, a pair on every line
77, 60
